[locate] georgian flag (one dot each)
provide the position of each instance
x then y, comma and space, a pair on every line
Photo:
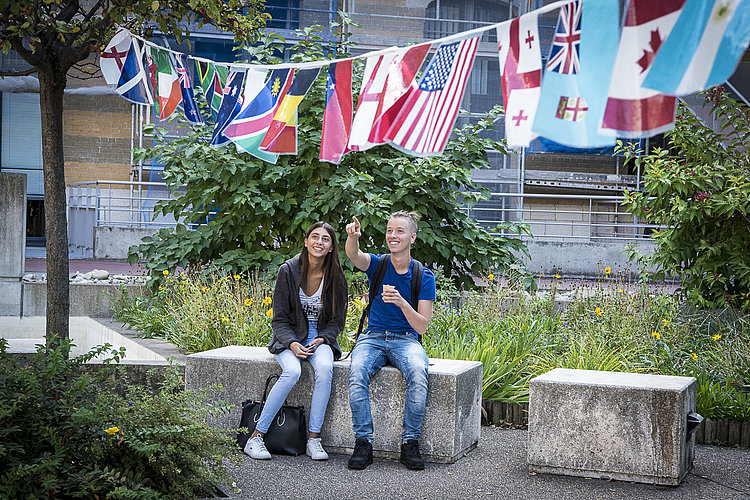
521, 76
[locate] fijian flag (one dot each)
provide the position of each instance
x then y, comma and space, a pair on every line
577, 76
258, 108
337, 116
281, 137
426, 119
133, 83
189, 106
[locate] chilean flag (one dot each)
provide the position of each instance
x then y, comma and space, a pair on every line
633, 111
337, 117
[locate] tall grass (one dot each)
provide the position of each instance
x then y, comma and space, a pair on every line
515, 336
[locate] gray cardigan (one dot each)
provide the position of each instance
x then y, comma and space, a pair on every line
290, 323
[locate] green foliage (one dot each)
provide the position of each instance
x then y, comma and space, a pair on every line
73, 30
700, 191
68, 430
255, 213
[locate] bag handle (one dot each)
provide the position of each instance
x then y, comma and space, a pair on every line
265, 390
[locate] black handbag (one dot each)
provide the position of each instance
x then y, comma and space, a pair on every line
287, 434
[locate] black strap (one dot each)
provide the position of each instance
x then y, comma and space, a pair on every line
417, 271
265, 390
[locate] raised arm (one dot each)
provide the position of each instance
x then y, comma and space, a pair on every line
360, 259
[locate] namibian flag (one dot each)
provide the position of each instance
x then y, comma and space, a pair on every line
281, 137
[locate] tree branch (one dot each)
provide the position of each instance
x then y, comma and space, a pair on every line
67, 13
27, 72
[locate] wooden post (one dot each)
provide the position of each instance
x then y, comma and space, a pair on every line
745, 438
735, 433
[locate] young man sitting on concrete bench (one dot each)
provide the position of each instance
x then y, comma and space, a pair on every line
392, 336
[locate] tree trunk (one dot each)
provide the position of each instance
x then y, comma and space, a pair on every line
51, 87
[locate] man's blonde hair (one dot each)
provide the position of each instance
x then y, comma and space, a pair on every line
413, 218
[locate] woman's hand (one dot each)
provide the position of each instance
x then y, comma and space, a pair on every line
299, 350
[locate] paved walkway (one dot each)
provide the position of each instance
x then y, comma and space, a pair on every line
496, 469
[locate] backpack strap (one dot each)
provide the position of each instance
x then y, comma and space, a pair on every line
417, 271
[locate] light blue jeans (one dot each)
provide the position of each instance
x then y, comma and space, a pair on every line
291, 369
372, 351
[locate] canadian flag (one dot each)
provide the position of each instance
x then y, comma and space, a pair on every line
633, 111
521, 76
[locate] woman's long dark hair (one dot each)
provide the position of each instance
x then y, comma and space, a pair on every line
333, 275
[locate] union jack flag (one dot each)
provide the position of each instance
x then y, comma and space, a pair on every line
564, 55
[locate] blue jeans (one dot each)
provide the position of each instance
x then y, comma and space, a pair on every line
291, 369
372, 351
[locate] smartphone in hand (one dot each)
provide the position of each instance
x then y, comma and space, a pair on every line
311, 346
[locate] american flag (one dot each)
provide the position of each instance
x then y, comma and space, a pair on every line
564, 55
425, 121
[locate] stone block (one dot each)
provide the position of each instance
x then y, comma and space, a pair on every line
10, 297
452, 420
624, 426
12, 224
90, 299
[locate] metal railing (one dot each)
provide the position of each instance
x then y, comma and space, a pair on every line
560, 217
550, 216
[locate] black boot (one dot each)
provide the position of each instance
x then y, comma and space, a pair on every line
362, 456
410, 456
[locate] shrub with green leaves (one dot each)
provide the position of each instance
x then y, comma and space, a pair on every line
255, 213
699, 190
68, 430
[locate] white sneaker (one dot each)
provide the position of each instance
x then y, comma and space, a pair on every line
256, 448
315, 449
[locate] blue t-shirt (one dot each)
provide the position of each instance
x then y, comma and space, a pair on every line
389, 316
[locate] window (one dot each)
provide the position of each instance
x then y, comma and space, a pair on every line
21, 139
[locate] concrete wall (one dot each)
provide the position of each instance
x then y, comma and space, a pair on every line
93, 300
113, 242
12, 241
587, 258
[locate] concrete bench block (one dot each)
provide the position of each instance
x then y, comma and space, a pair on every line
452, 420
625, 426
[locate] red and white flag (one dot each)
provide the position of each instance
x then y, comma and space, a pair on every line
373, 83
113, 57
426, 119
633, 111
401, 73
337, 115
521, 76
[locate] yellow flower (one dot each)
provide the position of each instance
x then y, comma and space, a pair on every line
249, 302
161, 288
165, 272
598, 311
491, 276
619, 291
203, 289
665, 321
607, 270
656, 335
267, 301
112, 430
557, 276
224, 319
716, 337
236, 277
694, 356
269, 313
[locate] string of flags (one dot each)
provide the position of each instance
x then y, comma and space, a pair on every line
608, 74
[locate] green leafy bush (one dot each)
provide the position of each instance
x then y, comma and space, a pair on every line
699, 190
68, 430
